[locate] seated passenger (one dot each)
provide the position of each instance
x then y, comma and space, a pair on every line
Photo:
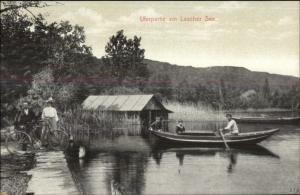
179, 127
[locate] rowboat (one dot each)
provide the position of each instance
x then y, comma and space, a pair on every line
210, 138
260, 120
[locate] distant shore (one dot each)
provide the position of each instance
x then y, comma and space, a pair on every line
262, 110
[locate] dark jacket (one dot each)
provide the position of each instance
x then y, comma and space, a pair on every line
156, 125
179, 129
22, 118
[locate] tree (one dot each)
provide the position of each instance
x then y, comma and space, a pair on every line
222, 94
185, 92
266, 89
28, 45
7, 6
124, 57
160, 84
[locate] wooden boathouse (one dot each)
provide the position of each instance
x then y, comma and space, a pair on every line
136, 111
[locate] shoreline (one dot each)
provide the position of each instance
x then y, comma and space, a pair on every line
14, 180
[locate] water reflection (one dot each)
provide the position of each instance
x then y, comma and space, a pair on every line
181, 152
122, 172
115, 172
109, 171
232, 161
128, 172
75, 165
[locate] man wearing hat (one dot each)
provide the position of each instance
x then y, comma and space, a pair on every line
25, 118
50, 114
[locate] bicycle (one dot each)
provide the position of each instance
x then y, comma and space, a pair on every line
20, 142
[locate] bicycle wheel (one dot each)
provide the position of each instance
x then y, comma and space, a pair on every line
58, 140
19, 143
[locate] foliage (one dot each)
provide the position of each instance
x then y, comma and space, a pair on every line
7, 6
266, 89
28, 45
124, 57
122, 91
160, 85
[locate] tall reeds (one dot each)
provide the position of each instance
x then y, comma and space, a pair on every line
82, 124
193, 112
195, 116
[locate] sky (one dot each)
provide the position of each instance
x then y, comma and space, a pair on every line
260, 36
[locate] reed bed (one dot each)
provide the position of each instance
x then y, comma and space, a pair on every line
193, 112
196, 117
85, 124
82, 124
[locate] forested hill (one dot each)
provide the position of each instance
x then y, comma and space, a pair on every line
239, 78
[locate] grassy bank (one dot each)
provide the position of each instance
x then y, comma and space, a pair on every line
13, 179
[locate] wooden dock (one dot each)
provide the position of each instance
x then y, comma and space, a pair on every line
51, 175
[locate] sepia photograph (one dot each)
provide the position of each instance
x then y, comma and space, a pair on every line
150, 97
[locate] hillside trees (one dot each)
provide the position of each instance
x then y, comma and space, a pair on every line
8, 6
161, 85
30, 44
124, 60
266, 89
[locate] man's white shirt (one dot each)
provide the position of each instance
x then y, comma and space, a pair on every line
232, 126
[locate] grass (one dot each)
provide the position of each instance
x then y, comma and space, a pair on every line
190, 112
195, 117
81, 123
13, 180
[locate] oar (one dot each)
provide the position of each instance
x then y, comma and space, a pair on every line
226, 145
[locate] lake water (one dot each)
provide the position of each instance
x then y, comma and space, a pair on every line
128, 165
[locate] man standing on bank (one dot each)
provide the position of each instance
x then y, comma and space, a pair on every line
231, 126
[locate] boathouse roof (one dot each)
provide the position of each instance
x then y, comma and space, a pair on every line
123, 103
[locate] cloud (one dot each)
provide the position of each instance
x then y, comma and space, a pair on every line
92, 21
265, 23
232, 5
82, 15
286, 20
222, 7
284, 35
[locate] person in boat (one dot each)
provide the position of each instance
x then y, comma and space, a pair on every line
231, 127
179, 127
157, 124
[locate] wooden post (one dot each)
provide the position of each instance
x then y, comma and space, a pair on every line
149, 118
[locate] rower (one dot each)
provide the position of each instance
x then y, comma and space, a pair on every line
231, 125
